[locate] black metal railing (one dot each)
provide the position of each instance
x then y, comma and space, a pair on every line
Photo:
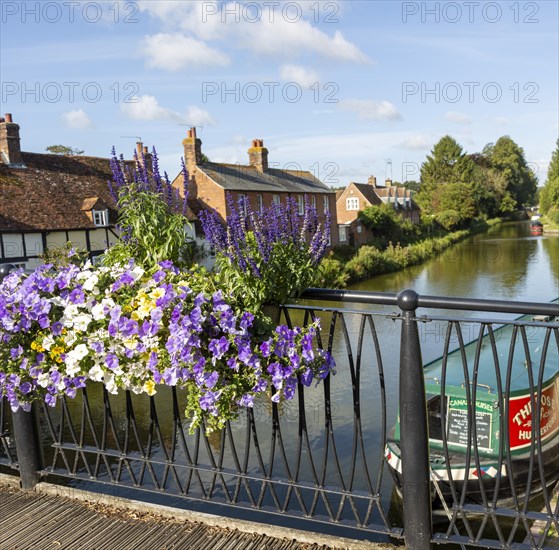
322, 460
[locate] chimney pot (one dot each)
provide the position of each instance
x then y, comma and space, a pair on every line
258, 155
8, 117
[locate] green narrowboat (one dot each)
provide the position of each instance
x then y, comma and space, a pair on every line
497, 454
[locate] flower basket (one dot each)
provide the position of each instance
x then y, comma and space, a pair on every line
136, 330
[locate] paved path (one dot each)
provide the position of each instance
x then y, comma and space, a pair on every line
46, 521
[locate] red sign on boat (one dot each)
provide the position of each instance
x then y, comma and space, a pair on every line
520, 415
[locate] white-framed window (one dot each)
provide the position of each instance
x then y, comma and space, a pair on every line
352, 203
101, 218
343, 233
326, 203
359, 229
313, 201
276, 199
301, 205
260, 201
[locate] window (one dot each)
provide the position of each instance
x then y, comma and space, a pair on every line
100, 217
260, 201
359, 229
343, 233
352, 203
326, 203
313, 201
276, 199
243, 203
301, 205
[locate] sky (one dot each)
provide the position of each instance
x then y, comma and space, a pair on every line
345, 89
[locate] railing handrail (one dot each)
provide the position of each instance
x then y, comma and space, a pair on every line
435, 302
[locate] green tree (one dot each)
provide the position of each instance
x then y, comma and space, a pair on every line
549, 194
507, 158
447, 163
489, 187
63, 150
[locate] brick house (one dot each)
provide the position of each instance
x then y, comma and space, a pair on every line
48, 200
358, 196
210, 182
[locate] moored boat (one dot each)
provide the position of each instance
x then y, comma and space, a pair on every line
496, 454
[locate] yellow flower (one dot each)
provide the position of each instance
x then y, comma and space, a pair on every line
157, 293
130, 343
149, 387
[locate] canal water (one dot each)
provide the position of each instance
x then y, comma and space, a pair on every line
505, 263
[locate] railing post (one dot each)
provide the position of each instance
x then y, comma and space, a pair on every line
27, 447
414, 439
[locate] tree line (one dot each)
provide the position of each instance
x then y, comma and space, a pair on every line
457, 187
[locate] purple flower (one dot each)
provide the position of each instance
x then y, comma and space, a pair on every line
16, 352
25, 388
77, 296
306, 377
247, 400
112, 361
218, 348
208, 400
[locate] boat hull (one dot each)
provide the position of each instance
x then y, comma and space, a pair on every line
490, 480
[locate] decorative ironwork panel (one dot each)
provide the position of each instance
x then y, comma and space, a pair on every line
317, 458
7, 445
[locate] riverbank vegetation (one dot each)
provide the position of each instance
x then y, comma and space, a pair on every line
346, 265
459, 194
549, 194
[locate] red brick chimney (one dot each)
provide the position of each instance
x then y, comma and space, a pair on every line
10, 150
258, 155
192, 151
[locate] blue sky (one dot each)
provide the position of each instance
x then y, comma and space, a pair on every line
346, 89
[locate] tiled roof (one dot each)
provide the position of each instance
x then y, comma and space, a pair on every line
50, 194
235, 177
368, 191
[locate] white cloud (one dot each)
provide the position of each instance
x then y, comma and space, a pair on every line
301, 75
77, 120
174, 52
458, 118
501, 120
198, 117
371, 110
269, 32
417, 143
147, 108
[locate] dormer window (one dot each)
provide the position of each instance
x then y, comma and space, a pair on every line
101, 218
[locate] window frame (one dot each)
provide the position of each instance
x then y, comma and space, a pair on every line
352, 203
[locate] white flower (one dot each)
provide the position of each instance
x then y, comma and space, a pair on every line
110, 384
90, 283
98, 312
81, 321
47, 342
96, 373
43, 379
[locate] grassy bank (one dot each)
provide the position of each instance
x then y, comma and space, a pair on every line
369, 261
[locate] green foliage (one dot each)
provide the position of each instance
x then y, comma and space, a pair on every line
553, 215
507, 158
549, 194
63, 256
452, 204
63, 150
343, 252
153, 233
332, 273
289, 270
553, 170
447, 163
